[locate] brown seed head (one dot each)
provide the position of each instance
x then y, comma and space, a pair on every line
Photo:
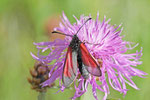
39, 74
100, 62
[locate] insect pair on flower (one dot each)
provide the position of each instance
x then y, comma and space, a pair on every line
78, 57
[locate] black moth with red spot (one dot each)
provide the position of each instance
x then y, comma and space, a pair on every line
78, 56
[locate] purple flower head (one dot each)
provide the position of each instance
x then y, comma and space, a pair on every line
118, 68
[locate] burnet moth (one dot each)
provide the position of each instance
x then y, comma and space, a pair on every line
78, 57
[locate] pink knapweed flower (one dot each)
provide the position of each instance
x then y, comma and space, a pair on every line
118, 67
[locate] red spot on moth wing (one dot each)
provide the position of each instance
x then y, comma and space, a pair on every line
68, 63
87, 58
89, 61
70, 67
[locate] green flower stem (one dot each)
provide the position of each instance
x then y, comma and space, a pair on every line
41, 96
89, 95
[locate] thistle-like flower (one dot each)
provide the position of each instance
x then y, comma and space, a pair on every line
118, 67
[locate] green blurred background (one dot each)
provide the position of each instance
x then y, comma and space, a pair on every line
23, 22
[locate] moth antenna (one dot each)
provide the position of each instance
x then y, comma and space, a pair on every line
83, 24
62, 33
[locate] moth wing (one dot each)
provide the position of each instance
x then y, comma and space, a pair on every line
70, 67
89, 61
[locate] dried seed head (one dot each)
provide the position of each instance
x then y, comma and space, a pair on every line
33, 73
100, 61
97, 78
39, 74
42, 70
